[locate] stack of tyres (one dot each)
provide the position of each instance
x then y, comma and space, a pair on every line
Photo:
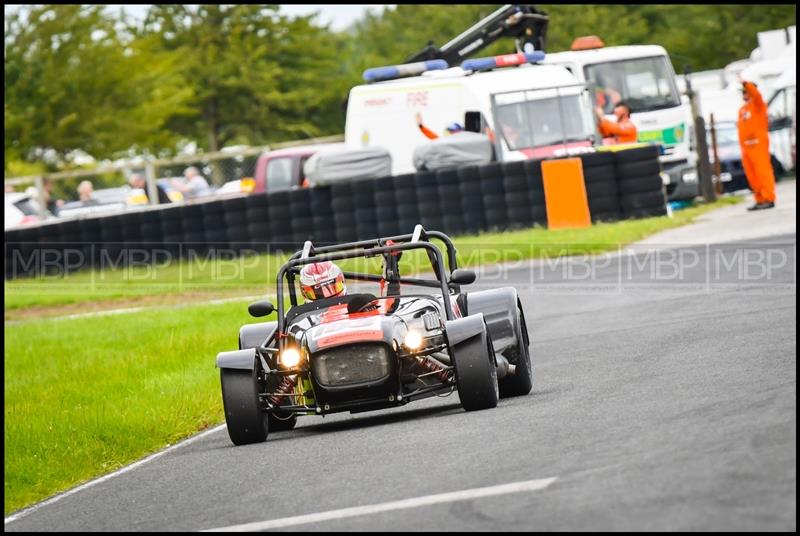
152, 237
600, 178
641, 191
91, 239
216, 233
25, 254
449, 190
131, 231
194, 235
517, 188
49, 248
257, 217
469, 183
386, 206
536, 197
364, 206
302, 217
13, 247
430, 215
344, 213
405, 195
172, 229
280, 222
236, 224
111, 253
494, 197
321, 199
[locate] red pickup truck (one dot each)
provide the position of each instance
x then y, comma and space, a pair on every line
283, 169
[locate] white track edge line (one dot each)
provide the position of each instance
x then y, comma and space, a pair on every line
427, 500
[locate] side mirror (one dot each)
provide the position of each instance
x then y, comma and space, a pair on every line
260, 308
462, 277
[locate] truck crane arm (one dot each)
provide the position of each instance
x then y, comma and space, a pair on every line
524, 22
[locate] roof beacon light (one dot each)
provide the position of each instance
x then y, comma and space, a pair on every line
587, 42
378, 74
506, 60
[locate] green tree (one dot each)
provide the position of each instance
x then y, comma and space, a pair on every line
257, 76
73, 82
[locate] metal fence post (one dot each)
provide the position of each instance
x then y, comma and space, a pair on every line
152, 189
42, 202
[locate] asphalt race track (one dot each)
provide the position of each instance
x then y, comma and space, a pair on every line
664, 399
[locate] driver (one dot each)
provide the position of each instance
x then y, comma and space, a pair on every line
322, 280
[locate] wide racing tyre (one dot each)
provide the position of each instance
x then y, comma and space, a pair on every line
636, 154
649, 183
243, 416
476, 373
632, 170
521, 382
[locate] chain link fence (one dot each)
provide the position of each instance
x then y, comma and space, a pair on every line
58, 195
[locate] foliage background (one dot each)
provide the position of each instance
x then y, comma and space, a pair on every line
86, 77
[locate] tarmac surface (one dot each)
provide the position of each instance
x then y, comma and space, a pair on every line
664, 399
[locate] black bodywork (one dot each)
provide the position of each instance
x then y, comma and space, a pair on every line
354, 348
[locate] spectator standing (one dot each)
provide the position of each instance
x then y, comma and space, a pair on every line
195, 186
86, 194
621, 131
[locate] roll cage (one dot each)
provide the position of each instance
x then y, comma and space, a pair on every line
419, 239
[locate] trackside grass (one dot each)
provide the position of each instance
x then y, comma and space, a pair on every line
85, 396
255, 273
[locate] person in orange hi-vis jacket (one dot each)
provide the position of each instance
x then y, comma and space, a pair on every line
753, 126
623, 131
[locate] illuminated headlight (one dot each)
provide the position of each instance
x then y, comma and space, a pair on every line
690, 176
413, 340
290, 357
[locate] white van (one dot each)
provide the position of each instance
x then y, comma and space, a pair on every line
530, 110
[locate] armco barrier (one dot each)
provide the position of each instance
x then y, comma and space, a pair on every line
470, 199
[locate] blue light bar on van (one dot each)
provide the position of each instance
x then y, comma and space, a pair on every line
377, 74
506, 60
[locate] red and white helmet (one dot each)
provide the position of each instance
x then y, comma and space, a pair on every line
322, 280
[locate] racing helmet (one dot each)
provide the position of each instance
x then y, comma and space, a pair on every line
322, 280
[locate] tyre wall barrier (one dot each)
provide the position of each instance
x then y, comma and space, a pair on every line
467, 200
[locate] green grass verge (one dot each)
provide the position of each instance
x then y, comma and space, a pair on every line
88, 395
256, 274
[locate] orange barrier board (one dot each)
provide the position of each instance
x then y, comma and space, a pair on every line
565, 194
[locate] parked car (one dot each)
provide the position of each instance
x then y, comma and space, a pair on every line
730, 155
20, 209
283, 169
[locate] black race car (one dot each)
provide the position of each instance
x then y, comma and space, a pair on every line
362, 352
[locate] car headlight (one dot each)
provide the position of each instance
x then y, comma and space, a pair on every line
689, 176
290, 357
412, 340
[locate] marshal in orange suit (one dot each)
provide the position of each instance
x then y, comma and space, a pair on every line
753, 126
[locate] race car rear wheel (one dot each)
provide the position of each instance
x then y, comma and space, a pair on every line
246, 422
476, 372
521, 382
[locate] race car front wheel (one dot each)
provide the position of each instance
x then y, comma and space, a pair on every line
521, 382
246, 422
476, 372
